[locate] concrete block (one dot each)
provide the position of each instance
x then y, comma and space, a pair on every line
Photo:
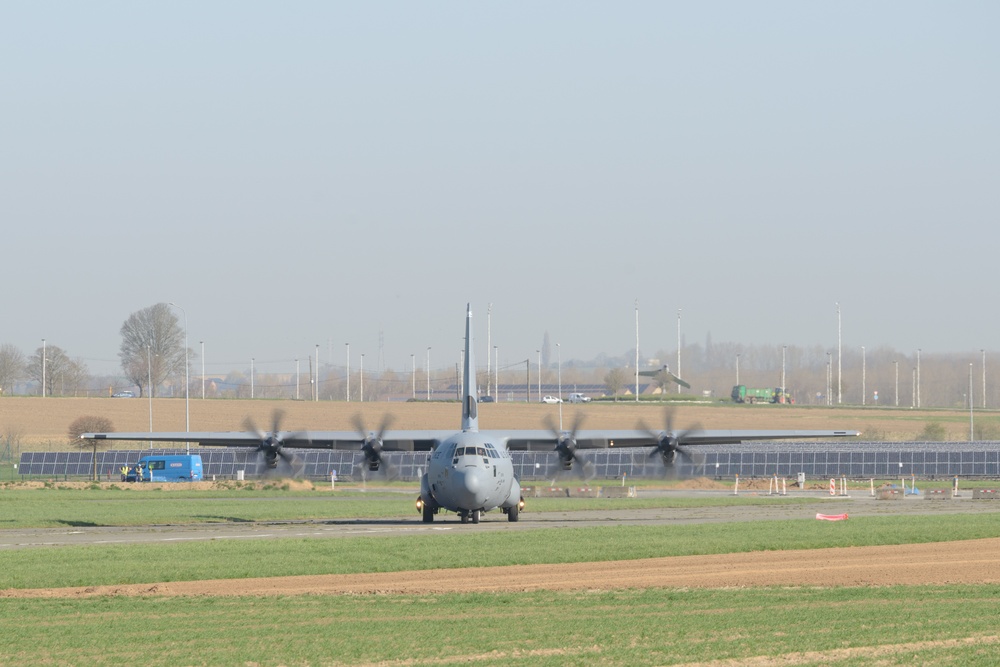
617, 492
986, 494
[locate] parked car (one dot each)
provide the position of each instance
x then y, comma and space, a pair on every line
487, 399
123, 394
579, 398
551, 399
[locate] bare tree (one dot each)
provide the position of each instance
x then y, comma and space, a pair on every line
12, 367
60, 374
89, 424
152, 347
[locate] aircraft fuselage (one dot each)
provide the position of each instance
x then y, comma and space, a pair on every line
469, 473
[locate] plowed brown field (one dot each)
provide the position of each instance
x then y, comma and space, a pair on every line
45, 422
969, 562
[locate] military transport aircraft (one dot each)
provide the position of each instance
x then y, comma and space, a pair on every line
469, 472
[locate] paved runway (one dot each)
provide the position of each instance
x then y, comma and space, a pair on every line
856, 506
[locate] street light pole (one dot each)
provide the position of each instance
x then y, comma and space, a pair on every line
784, 389
636, 352
840, 356
896, 364
43, 368
429, 373
864, 376
679, 350
187, 381
361, 379
539, 353
149, 371
348, 372
203, 370
413, 377
559, 381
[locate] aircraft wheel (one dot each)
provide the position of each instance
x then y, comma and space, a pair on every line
428, 514
475, 516
512, 513
464, 516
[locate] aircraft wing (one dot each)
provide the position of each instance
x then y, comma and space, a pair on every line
602, 439
399, 441
425, 440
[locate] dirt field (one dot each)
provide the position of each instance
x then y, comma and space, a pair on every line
970, 562
44, 423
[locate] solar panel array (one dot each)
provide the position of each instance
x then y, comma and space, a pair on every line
815, 459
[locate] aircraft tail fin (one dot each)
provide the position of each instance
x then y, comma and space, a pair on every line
470, 397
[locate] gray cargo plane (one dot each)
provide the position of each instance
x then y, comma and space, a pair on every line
469, 472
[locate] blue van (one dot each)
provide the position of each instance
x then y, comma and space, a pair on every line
167, 468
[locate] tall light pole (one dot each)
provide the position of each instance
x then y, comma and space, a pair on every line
149, 379
496, 371
202, 370
829, 380
429, 372
896, 364
559, 381
918, 377
864, 370
187, 381
413, 377
840, 356
297, 379
636, 351
737, 370
679, 349
971, 429
348, 372
489, 333
43, 368
251, 378
784, 388
539, 353
984, 378
361, 380
316, 395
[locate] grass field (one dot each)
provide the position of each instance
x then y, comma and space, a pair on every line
854, 625
949, 625
953, 625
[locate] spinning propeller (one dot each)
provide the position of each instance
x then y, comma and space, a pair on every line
271, 453
671, 448
372, 447
566, 448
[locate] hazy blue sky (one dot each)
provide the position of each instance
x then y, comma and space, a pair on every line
308, 173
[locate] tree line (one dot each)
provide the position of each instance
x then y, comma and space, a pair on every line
152, 355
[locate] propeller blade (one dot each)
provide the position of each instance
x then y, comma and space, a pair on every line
372, 446
670, 448
271, 451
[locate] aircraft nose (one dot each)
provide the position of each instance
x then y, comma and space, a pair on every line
471, 488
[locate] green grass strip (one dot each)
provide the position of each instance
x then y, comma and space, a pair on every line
54, 507
941, 625
229, 559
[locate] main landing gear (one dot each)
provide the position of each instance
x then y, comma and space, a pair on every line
465, 515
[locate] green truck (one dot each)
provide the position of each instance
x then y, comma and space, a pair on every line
744, 394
